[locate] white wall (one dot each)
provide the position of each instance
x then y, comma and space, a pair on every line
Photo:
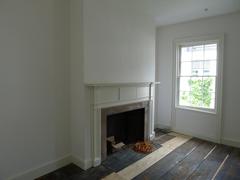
41, 75
119, 41
80, 102
34, 105
230, 26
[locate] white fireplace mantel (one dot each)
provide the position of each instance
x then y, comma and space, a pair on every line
116, 94
121, 84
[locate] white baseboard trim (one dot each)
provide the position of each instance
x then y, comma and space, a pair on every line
161, 126
231, 142
43, 169
225, 141
196, 135
152, 135
52, 166
96, 162
83, 164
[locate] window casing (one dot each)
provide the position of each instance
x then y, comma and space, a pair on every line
197, 75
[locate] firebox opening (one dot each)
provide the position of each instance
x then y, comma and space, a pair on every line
126, 127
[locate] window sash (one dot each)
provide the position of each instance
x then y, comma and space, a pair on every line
179, 76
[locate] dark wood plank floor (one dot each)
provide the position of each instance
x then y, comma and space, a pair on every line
196, 159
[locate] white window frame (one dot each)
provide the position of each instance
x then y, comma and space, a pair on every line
219, 40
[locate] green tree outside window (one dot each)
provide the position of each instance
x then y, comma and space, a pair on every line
200, 94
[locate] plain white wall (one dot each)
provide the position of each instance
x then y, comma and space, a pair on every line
34, 86
119, 41
230, 26
80, 94
42, 84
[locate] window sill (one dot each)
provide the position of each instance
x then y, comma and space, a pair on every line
197, 109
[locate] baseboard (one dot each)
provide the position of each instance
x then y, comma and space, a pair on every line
96, 162
52, 166
225, 141
152, 135
83, 164
196, 135
161, 126
231, 142
43, 169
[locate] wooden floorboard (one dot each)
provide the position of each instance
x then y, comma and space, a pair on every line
187, 166
196, 159
120, 160
162, 139
143, 164
92, 174
167, 163
231, 168
159, 132
63, 173
209, 166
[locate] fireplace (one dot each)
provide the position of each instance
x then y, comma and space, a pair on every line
126, 123
114, 103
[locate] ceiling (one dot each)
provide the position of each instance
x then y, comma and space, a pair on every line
174, 11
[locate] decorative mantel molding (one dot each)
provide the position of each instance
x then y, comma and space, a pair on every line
121, 84
117, 94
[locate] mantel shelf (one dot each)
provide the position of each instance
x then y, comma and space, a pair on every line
121, 84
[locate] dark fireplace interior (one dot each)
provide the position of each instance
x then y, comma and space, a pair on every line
126, 127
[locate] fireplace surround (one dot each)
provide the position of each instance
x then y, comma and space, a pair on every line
110, 99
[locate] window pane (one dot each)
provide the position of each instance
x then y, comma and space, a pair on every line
209, 100
186, 68
210, 68
184, 98
197, 53
196, 102
186, 54
211, 52
209, 84
196, 91
184, 84
208, 89
197, 68
196, 83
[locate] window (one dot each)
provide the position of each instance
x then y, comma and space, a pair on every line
197, 75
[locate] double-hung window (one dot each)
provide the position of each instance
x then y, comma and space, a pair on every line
197, 75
